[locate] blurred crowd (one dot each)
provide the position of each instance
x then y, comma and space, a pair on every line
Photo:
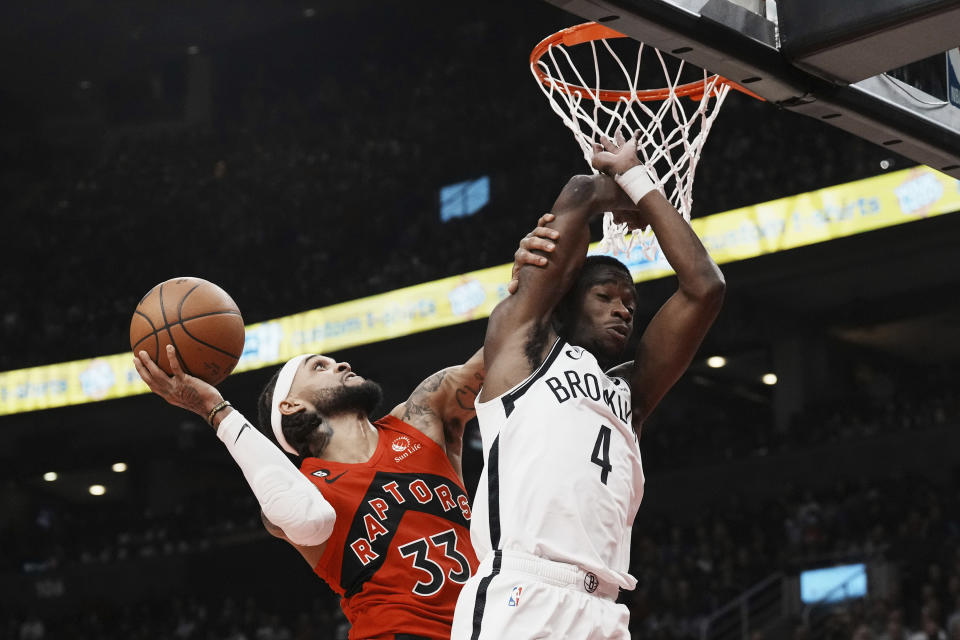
210, 618
316, 183
687, 566
692, 429
686, 569
60, 533
687, 572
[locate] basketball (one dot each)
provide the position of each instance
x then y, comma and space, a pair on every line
199, 319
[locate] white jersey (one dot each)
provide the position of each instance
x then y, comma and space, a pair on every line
562, 477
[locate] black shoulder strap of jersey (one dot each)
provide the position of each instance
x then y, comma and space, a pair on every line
509, 399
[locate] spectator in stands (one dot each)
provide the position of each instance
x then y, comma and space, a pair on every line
894, 630
863, 632
929, 630
953, 622
32, 628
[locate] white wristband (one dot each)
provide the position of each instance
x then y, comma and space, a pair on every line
637, 182
287, 498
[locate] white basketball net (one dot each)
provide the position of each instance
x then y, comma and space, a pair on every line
673, 130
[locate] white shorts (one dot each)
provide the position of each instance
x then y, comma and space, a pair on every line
521, 597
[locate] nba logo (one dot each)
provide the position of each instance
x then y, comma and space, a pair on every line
514, 600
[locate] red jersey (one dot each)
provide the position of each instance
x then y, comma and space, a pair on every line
400, 550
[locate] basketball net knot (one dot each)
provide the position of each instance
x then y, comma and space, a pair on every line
620, 239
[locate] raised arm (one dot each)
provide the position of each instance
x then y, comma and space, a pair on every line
441, 405
292, 508
519, 332
673, 336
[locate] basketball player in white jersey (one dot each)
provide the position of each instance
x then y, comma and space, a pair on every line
563, 478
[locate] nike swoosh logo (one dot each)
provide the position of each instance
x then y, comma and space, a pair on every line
334, 478
246, 425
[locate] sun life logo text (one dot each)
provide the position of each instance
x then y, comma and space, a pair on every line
402, 445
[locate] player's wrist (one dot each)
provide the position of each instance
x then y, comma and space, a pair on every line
218, 412
626, 165
637, 182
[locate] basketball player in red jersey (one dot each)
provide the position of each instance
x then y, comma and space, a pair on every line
388, 528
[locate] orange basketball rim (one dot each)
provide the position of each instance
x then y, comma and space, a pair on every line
592, 32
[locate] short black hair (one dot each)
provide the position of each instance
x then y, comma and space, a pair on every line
591, 263
566, 313
296, 428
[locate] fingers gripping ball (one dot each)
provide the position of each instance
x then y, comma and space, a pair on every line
199, 319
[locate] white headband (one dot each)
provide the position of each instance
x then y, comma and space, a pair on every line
280, 393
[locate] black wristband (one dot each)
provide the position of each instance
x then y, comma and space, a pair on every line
217, 409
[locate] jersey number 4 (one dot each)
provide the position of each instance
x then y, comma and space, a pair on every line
601, 453
420, 549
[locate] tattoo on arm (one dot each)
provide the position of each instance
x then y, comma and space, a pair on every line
416, 409
191, 399
418, 404
433, 383
466, 393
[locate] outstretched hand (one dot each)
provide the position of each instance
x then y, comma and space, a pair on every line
179, 389
542, 238
615, 157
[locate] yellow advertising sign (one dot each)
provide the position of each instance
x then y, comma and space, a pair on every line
381, 317
818, 216
834, 212
390, 315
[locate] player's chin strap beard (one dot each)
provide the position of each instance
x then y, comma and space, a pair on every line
280, 392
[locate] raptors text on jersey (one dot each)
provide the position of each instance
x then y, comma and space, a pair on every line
400, 550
